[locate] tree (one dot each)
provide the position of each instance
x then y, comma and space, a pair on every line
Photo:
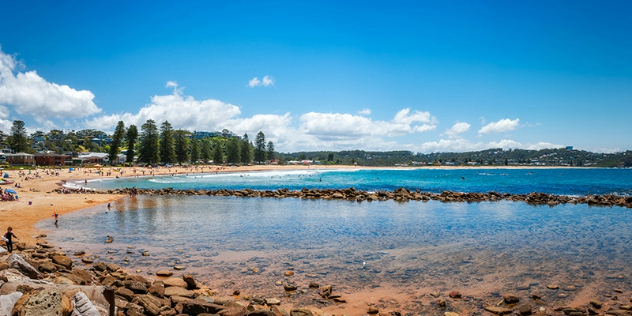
260, 148
195, 150
206, 150
181, 146
149, 146
218, 155
18, 141
246, 156
167, 149
119, 133
132, 134
232, 150
271, 154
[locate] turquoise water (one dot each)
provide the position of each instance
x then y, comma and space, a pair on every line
515, 181
412, 247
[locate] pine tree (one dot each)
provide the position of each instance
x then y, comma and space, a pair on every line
132, 134
18, 141
117, 138
149, 146
195, 151
246, 155
260, 148
206, 150
271, 154
181, 146
218, 155
232, 151
167, 149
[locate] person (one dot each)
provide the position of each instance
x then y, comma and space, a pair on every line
8, 235
56, 218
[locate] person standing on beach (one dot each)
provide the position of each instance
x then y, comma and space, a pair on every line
8, 235
56, 219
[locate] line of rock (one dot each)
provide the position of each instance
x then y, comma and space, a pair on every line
399, 195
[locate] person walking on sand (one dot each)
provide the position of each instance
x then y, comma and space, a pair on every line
7, 236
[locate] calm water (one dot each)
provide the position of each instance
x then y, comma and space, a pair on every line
414, 247
516, 181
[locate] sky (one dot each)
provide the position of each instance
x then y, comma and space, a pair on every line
424, 76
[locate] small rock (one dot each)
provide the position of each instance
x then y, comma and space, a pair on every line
273, 301
87, 260
236, 292
373, 311
79, 253
511, 299
289, 287
455, 295
553, 286
441, 303
596, 304
525, 309
450, 314
289, 273
175, 282
178, 268
498, 310
618, 290
164, 273
109, 239
145, 254
570, 288
313, 285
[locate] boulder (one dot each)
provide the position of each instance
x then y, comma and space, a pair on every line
157, 290
47, 267
191, 284
179, 291
13, 276
136, 287
8, 301
42, 303
175, 282
125, 293
18, 263
63, 261
150, 303
195, 307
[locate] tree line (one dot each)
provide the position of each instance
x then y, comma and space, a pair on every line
152, 145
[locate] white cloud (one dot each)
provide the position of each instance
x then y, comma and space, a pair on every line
30, 94
456, 129
504, 125
340, 126
171, 84
265, 82
365, 112
462, 145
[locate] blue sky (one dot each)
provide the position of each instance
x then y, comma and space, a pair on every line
420, 76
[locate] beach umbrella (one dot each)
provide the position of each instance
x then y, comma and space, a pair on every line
10, 191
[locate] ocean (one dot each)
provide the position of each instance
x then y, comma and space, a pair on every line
414, 247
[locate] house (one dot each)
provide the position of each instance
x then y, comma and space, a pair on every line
21, 159
92, 159
52, 159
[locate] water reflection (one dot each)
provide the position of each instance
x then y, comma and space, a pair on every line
481, 247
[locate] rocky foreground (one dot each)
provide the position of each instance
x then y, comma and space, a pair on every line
42, 280
400, 195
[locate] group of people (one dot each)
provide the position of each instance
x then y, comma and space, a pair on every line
8, 196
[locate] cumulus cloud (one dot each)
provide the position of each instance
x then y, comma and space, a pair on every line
365, 112
462, 145
340, 126
30, 94
504, 125
264, 82
456, 129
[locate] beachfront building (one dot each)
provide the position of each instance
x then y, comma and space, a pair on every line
92, 159
52, 159
23, 159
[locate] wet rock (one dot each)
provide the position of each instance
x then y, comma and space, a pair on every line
373, 311
108, 280
164, 273
441, 304
87, 260
325, 291
79, 253
455, 294
179, 291
175, 282
525, 309
553, 286
190, 281
81, 277
145, 254
313, 285
289, 273
511, 299
109, 239
101, 266
570, 288
498, 310
301, 312
112, 267
236, 292
289, 287
18, 263
273, 301
596, 304
617, 312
